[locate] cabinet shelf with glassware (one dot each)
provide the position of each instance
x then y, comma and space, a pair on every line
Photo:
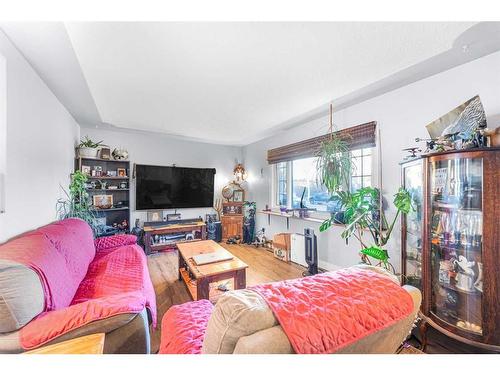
459, 216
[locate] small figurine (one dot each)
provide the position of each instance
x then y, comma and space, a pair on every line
413, 152
120, 154
260, 238
465, 275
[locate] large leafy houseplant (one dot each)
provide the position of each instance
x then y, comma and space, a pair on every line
363, 214
77, 203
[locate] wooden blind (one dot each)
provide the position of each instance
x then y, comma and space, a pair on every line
356, 137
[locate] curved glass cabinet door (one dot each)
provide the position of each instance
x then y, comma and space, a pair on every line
413, 183
456, 231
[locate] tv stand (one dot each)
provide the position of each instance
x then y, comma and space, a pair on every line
164, 236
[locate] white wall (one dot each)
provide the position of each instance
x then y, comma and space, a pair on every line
3, 130
401, 116
157, 149
40, 140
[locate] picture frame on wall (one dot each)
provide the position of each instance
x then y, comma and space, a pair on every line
238, 195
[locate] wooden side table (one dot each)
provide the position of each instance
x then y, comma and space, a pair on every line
91, 344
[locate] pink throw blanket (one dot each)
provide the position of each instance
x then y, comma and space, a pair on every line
183, 327
117, 282
323, 313
59, 253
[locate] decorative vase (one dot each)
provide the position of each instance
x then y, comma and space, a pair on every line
87, 152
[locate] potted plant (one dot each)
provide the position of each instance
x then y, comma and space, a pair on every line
363, 214
77, 204
88, 148
334, 163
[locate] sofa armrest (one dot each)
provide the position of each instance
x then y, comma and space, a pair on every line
51, 325
103, 243
268, 341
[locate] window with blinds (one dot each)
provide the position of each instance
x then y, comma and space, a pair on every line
357, 137
296, 178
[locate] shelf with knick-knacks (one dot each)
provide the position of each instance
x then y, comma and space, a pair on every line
457, 253
108, 186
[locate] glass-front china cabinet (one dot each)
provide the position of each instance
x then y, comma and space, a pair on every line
450, 243
412, 175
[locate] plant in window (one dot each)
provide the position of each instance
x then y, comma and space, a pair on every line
77, 203
362, 214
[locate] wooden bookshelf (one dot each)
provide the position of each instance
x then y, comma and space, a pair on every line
113, 214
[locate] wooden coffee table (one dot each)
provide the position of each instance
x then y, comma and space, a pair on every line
198, 278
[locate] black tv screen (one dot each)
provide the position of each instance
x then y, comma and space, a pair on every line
173, 187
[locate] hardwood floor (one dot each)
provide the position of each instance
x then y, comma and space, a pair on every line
163, 269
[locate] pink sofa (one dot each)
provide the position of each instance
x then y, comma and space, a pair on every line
57, 283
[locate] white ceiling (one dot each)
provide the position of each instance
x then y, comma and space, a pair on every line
229, 83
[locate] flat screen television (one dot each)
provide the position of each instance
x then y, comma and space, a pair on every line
173, 187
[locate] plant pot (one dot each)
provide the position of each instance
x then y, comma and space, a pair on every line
87, 152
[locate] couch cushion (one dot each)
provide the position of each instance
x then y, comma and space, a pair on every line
117, 282
238, 313
21, 295
74, 241
60, 254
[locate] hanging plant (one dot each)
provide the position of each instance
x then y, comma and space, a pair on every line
334, 162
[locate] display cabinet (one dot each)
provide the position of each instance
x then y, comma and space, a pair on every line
450, 243
413, 182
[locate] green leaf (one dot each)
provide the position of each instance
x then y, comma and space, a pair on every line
325, 225
376, 253
402, 201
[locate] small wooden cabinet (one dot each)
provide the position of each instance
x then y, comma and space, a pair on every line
232, 225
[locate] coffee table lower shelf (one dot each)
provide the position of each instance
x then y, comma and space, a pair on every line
192, 286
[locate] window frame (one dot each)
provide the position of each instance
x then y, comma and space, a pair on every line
275, 184
289, 185
362, 156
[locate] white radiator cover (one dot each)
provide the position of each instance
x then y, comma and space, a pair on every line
297, 249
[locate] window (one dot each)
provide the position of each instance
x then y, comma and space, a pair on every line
305, 184
301, 175
362, 169
282, 184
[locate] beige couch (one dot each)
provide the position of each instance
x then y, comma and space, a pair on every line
242, 323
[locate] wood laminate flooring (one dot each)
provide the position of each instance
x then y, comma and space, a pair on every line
263, 267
